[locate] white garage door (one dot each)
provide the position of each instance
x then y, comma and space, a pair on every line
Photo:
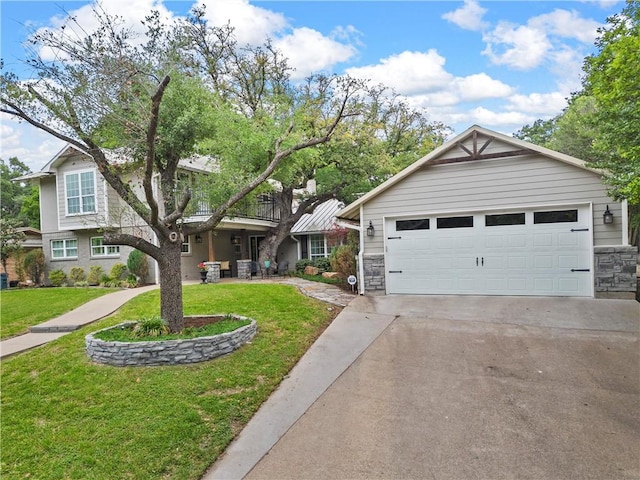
527, 252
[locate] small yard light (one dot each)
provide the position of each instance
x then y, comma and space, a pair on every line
370, 230
607, 216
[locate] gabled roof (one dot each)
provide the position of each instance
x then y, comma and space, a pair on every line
321, 220
352, 211
194, 163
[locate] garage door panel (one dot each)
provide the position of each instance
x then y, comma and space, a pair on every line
518, 259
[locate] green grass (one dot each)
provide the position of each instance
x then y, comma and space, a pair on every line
23, 308
66, 417
321, 279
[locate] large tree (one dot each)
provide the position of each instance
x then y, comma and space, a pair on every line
18, 200
113, 88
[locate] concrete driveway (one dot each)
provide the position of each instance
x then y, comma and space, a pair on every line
459, 388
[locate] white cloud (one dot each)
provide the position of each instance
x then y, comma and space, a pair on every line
408, 72
566, 24
468, 17
252, 24
31, 146
309, 51
480, 86
82, 21
540, 104
517, 46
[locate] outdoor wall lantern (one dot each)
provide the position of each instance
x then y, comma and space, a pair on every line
607, 216
370, 230
198, 238
235, 239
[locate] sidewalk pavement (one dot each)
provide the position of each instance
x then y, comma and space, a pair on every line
70, 321
107, 304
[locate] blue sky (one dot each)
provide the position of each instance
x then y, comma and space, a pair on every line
499, 64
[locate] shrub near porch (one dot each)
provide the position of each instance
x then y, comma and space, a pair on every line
65, 417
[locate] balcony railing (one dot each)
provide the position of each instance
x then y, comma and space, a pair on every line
262, 207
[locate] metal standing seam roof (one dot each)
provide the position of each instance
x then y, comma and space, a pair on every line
321, 220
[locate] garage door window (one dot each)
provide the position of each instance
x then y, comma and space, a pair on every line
556, 216
504, 219
455, 222
417, 224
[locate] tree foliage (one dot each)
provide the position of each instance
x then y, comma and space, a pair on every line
161, 96
18, 200
10, 239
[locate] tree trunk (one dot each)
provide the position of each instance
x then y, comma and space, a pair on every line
170, 270
272, 240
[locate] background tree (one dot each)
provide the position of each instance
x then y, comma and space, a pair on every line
115, 88
602, 122
18, 200
10, 239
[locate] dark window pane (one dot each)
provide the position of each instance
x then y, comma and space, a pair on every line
455, 222
418, 224
556, 216
504, 219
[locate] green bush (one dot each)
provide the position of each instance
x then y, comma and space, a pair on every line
302, 264
117, 271
151, 327
323, 264
343, 261
57, 277
34, 265
76, 275
95, 275
138, 265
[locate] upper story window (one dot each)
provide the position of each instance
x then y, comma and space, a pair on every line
318, 247
100, 250
80, 192
67, 248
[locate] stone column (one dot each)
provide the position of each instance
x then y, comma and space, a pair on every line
213, 272
244, 269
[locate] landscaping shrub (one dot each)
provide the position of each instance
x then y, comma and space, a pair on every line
76, 275
323, 264
57, 277
34, 265
302, 264
138, 265
95, 275
151, 327
117, 271
343, 261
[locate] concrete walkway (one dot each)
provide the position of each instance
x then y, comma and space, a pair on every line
107, 304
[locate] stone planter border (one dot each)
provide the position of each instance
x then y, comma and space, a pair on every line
168, 352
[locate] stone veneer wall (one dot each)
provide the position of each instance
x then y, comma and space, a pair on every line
244, 269
615, 271
167, 352
213, 272
373, 273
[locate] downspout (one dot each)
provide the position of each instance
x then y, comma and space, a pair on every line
361, 289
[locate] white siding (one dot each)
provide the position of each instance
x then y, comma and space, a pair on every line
493, 184
48, 205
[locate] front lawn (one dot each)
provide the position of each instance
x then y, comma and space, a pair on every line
65, 417
23, 308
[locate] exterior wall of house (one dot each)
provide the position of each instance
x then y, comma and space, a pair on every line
85, 258
493, 184
48, 205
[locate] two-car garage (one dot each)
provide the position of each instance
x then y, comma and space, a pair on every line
489, 214
541, 251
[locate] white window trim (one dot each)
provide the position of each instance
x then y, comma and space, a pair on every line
324, 241
187, 242
95, 192
64, 248
104, 249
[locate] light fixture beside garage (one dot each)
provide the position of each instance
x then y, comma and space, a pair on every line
607, 216
370, 230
